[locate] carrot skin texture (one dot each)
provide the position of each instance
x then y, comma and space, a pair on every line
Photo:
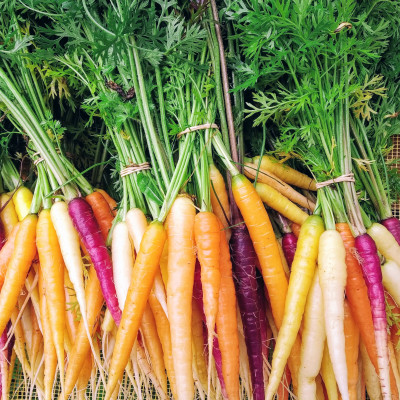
332, 277
144, 271
371, 268
295, 229
2, 235
101, 211
289, 245
227, 322
85, 223
18, 267
303, 269
352, 337
111, 202
181, 265
313, 341
81, 347
50, 355
6, 253
52, 266
393, 226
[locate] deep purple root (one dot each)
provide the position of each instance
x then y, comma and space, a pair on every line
393, 226
244, 271
2, 235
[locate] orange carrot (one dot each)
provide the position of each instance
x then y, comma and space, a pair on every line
71, 320
295, 228
352, 338
144, 271
37, 338
219, 199
18, 267
111, 202
164, 333
81, 348
153, 346
52, 266
207, 238
181, 264
101, 211
84, 377
226, 321
50, 356
6, 253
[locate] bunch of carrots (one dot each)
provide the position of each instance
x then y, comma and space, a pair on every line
215, 273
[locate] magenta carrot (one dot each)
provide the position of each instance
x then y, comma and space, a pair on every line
2, 234
371, 268
393, 226
289, 245
85, 223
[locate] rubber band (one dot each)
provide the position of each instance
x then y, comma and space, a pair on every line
342, 178
134, 168
197, 128
38, 160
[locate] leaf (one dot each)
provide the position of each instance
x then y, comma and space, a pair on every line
149, 188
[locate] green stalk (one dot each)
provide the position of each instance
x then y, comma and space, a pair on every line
37, 197
225, 157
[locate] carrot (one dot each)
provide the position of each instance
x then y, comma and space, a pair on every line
52, 265
164, 333
226, 321
37, 338
295, 228
137, 225
391, 279
123, 258
219, 199
270, 179
164, 263
8, 215
371, 378
18, 267
81, 346
284, 172
22, 199
328, 376
153, 346
111, 202
303, 268
6, 253
102, 212
181, 264
352, 337
50, 356
84, 377
199, 362
71, 321
313, 341
88, 228
207, 238
277, 201
385, 242
144, 271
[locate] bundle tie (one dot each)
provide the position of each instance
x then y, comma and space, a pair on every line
38, 160
197, 128
342, 178
134, 168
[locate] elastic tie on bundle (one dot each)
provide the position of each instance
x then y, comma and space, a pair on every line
342, 178
40, 159
197, 128
134, 168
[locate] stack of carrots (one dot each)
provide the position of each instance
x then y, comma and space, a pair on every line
212, 275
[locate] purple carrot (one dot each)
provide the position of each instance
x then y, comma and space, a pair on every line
244, 261
262, 304
85, 223
393, 226
2, 235
289, 245
5, 356
371, 268
198, 297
